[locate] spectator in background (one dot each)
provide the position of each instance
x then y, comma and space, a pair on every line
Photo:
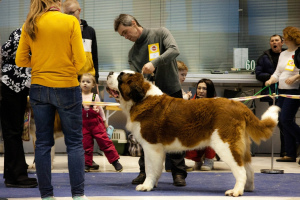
57, 55
205, 89
72, 7
266, 66
287, 74
182, 72
15, 89
154, 54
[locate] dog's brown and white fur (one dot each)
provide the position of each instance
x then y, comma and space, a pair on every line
57, 133
165, 124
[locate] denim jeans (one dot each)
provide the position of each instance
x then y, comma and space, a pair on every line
291, 131
67, 101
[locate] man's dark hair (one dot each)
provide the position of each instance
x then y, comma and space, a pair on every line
125, 20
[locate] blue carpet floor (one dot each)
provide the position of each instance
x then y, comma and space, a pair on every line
198, 184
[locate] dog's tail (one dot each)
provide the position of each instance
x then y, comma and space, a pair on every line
263, 129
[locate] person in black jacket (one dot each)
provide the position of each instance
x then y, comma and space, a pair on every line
266, 66
267, 63
14, 92
72, 7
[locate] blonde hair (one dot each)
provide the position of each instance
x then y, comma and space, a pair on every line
37, 8
292, 33
89, 75
181, 66
67, 3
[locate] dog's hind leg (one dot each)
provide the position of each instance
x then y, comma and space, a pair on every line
249, 187
234, 160
154, 157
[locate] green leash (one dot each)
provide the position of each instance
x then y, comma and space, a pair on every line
270, 92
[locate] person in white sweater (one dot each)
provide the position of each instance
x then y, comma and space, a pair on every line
287, 74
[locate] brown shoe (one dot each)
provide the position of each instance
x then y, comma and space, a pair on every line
286, 159
178, 180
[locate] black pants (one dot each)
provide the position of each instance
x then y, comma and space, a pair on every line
176, 159
13, 107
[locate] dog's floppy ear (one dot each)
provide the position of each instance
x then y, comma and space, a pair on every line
136, 93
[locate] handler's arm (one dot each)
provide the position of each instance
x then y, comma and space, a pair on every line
171, 47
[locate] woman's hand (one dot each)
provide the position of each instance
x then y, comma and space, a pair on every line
292, 79
268, 82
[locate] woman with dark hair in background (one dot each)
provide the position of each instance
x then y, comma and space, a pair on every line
205, 89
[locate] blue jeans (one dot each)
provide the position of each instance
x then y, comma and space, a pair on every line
291, 131
67, 101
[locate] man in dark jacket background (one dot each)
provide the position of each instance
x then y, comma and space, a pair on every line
72, 7
265, 67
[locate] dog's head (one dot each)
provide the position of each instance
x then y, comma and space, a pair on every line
127, 85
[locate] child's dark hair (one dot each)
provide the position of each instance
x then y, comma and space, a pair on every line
90, 76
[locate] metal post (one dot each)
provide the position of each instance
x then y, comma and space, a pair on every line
272, 171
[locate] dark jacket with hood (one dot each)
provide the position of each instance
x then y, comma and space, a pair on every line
91, 50
264, 69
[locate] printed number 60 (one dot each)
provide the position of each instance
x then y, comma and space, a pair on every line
250, 65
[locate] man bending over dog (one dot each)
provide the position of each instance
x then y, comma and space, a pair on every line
154, 54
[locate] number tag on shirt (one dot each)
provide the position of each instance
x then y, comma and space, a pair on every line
153, 51
290, 65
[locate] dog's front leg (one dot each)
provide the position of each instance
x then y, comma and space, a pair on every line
154, 157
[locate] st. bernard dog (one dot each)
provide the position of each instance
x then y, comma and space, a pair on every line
165, 124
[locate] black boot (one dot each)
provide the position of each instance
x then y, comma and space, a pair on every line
178, 180
139, 179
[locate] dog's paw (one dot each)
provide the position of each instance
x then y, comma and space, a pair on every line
249, 187
31, 169
144, 187
233, 193
32, 166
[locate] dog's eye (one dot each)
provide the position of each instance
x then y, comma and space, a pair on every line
129, 82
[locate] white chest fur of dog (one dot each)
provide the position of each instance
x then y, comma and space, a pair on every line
165, 124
